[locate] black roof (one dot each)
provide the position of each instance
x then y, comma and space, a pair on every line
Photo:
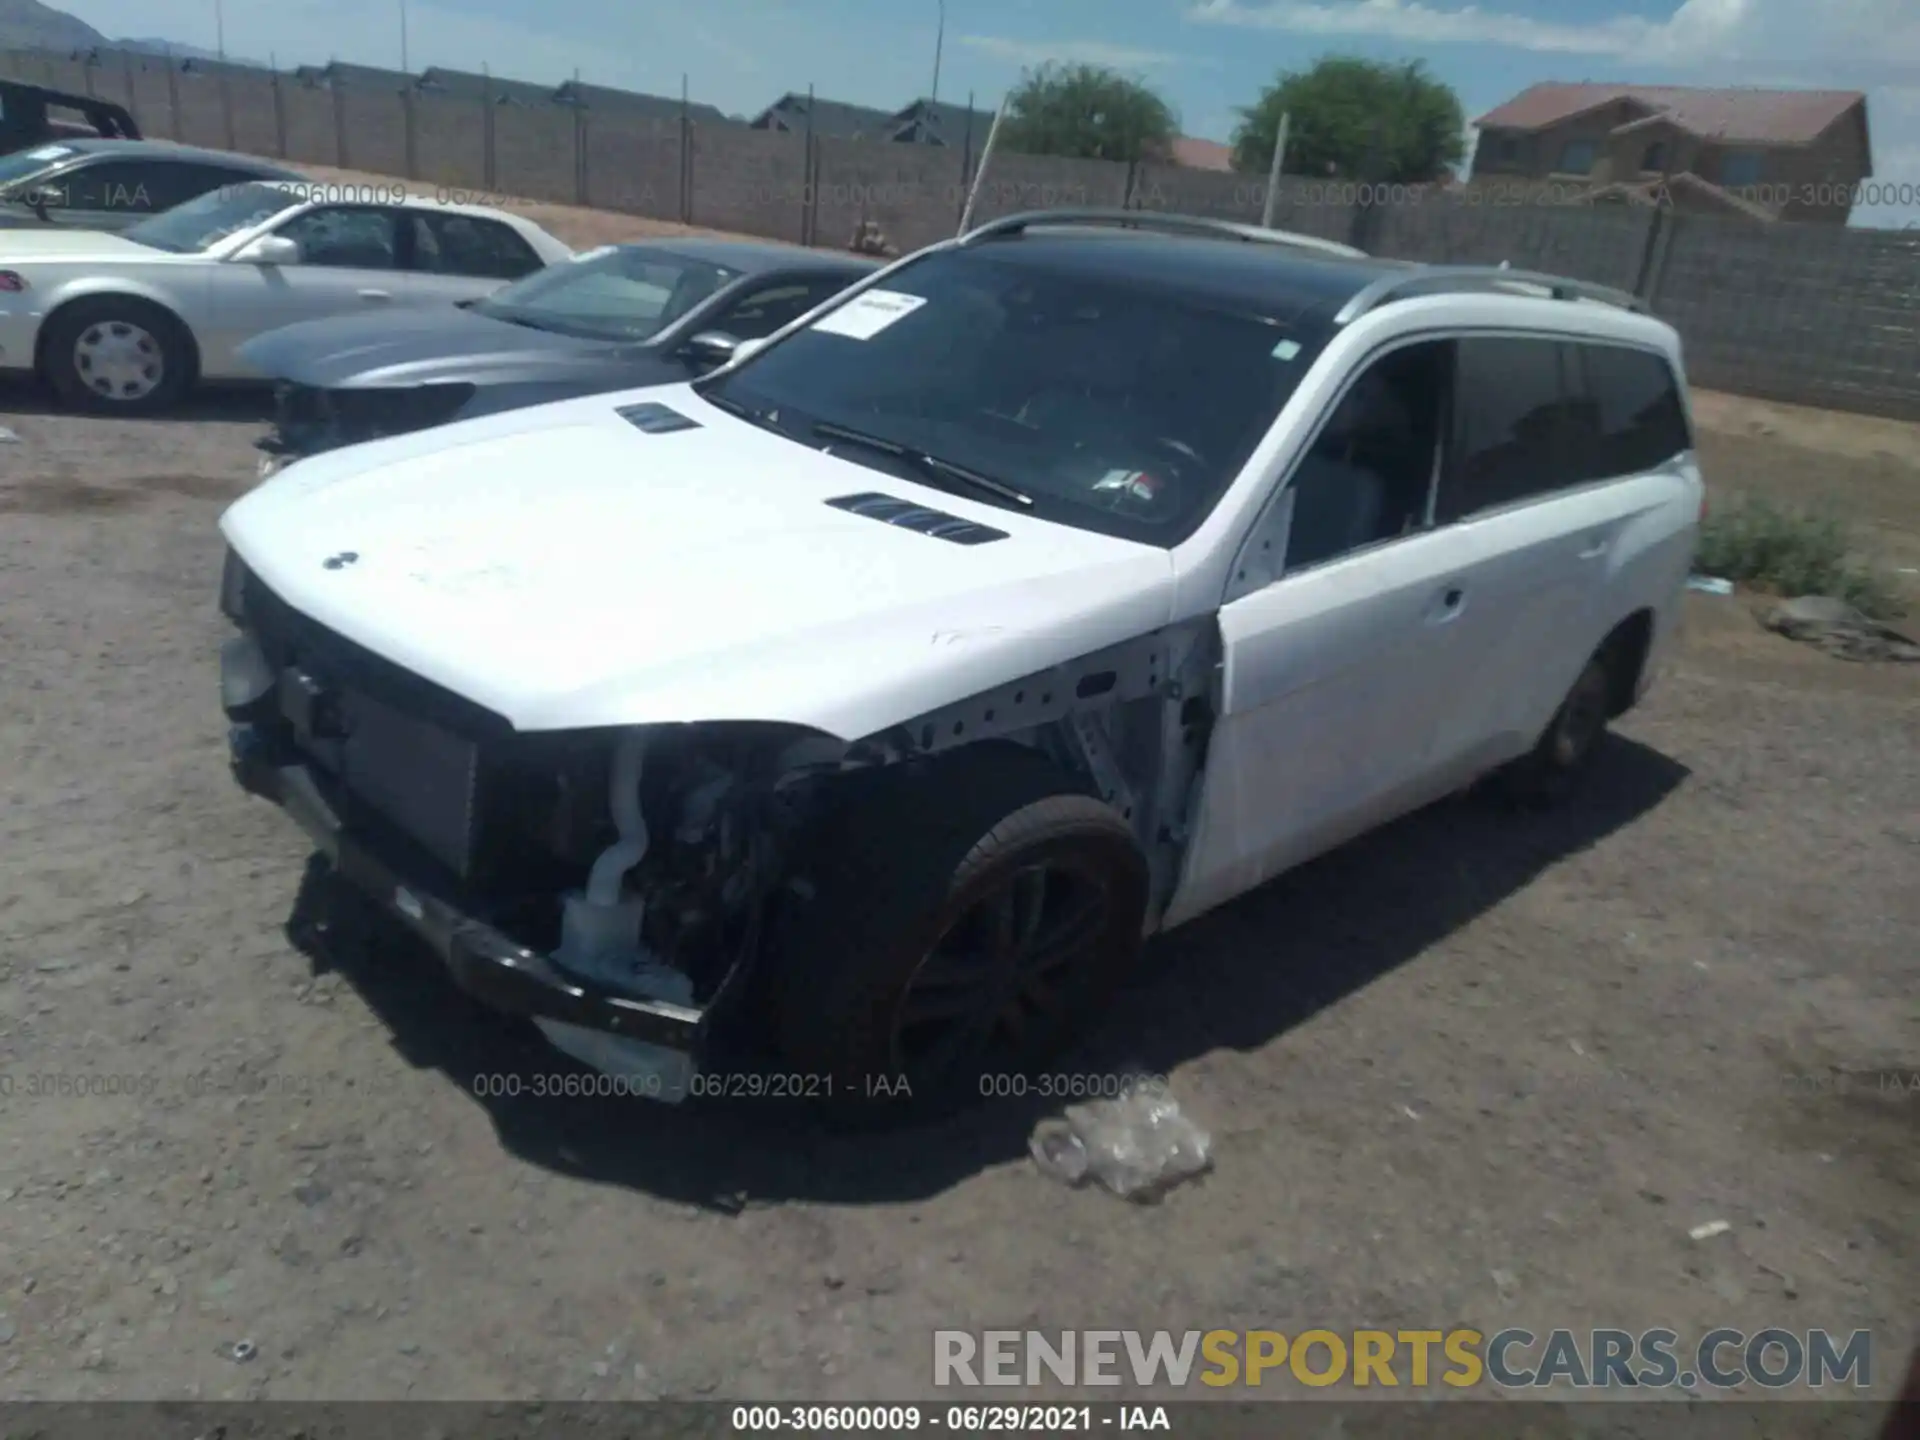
831, 119
1275, 280
939, 122
754, 256
166, 150
466, 85
636, 102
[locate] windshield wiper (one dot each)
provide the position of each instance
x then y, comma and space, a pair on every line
927, 464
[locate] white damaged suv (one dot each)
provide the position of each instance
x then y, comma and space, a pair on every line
862, 706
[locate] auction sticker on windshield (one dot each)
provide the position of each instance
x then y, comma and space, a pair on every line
868, 313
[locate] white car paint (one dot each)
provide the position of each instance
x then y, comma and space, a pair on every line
697, 575
217, 293
565, 570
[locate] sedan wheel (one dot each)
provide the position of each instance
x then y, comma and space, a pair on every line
119, 361
117, 355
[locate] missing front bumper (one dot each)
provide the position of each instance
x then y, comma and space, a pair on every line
482, 960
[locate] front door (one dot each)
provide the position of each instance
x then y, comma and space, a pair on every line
1334, 667
350, 263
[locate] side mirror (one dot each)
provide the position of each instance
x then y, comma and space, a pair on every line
270, 250
713, 347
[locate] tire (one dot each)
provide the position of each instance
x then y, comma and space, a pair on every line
117, 355
1552, 772
896, 914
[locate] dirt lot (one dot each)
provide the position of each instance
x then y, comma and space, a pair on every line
1472, 1069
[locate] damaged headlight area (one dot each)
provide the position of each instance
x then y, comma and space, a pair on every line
610, 885
309, 420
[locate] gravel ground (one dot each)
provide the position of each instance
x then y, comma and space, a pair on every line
1470, 1070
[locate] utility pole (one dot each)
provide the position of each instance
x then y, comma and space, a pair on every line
939, 43
220, 29
1273, 175
404, 70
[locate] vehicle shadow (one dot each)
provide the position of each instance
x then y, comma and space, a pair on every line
1222, 981
238, 404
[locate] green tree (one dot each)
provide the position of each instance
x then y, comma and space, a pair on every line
1088, 111
1362, 119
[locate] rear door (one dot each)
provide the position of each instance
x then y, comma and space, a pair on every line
454, 257
1526, 478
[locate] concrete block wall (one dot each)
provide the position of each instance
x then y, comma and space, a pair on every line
449, 144
374, 125
752, 181
1814, 315
1043, 182
634, 165
311, 136
1585, 242
913, 192
533, 153
1307, 206
1807, 313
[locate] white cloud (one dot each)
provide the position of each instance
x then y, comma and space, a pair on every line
1087, 52
1853, 43
1413, 21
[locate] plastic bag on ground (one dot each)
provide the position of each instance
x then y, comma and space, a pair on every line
1139, 1144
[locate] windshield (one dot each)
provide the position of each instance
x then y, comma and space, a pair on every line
623, 293
1112, 404
27, 164
215, 215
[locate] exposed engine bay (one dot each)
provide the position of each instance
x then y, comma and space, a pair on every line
702, 825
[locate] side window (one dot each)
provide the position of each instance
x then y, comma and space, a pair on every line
759, 314
358, 237
469, 246
1633, 418
1514, 425
1367, 476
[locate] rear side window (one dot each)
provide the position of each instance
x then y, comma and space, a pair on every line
1514, 425
470, 246
1632, 413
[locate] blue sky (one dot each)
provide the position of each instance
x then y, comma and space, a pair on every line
1206, 56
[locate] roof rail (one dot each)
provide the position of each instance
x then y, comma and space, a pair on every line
1157, 220
1493, 279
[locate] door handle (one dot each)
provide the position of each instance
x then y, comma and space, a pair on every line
1446, 605
1595, 550
376, 294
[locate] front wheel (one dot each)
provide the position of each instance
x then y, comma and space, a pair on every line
966, 923
117, 356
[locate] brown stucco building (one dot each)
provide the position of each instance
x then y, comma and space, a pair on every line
1764, 154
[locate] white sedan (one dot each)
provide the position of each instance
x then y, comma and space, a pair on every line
125, 324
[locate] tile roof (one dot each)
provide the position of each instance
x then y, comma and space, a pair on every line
940, 122
831, 118
1763, 117
465, 85
636, 102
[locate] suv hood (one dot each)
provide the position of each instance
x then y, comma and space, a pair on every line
565, 569
436, 346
